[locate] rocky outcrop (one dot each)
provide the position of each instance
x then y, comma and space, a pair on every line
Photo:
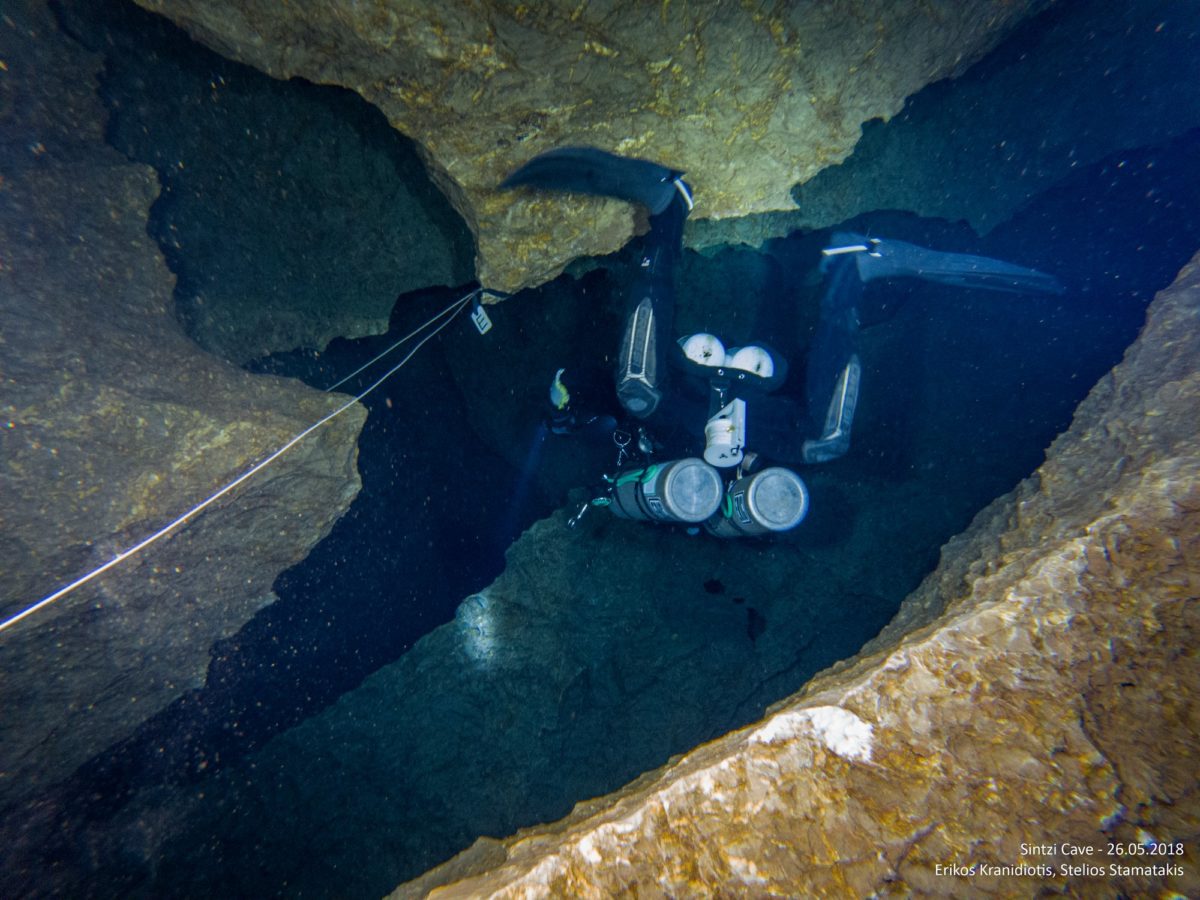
783, 91
585, 663
112, 423
924, 160
1037, 694
291, 213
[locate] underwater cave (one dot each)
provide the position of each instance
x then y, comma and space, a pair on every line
468, 647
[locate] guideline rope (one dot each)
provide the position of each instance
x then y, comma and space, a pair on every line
449, 313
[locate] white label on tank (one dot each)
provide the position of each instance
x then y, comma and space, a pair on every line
739, 507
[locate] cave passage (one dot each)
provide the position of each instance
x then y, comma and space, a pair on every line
373, 696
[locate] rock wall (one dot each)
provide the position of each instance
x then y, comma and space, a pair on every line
291, 213
1038, 691
112, 423
597, 654
781, 90
923, 160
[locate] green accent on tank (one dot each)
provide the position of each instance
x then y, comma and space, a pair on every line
628, 477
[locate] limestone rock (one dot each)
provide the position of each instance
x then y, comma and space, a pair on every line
112, 423
291, 213
1039, 691
924, 161
586, 662
750, 102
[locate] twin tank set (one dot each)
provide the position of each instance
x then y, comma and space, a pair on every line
690, 491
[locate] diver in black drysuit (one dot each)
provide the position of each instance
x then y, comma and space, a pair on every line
657, 382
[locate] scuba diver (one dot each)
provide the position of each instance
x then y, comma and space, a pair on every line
682, 392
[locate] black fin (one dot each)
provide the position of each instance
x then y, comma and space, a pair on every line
886, 258
586, 170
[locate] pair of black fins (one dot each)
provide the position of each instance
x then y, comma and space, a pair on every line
852, 261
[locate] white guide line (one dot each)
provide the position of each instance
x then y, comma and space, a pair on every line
449, 312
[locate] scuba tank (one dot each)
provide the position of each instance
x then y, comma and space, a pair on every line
770, 501
690, 491
685, 490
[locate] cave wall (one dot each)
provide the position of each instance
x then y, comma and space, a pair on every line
1065, 599
112, 423
1039, 689
291, 213
979, 148
783, 90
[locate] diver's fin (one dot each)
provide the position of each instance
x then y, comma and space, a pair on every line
835, 439
586, 170
885, 258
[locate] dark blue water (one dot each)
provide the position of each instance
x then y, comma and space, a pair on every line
963, 391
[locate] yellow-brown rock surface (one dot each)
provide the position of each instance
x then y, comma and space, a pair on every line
112, 424
1037, 696
750, 99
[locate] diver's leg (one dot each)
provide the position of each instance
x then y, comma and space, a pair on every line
834, 370
641, 361
641, 371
